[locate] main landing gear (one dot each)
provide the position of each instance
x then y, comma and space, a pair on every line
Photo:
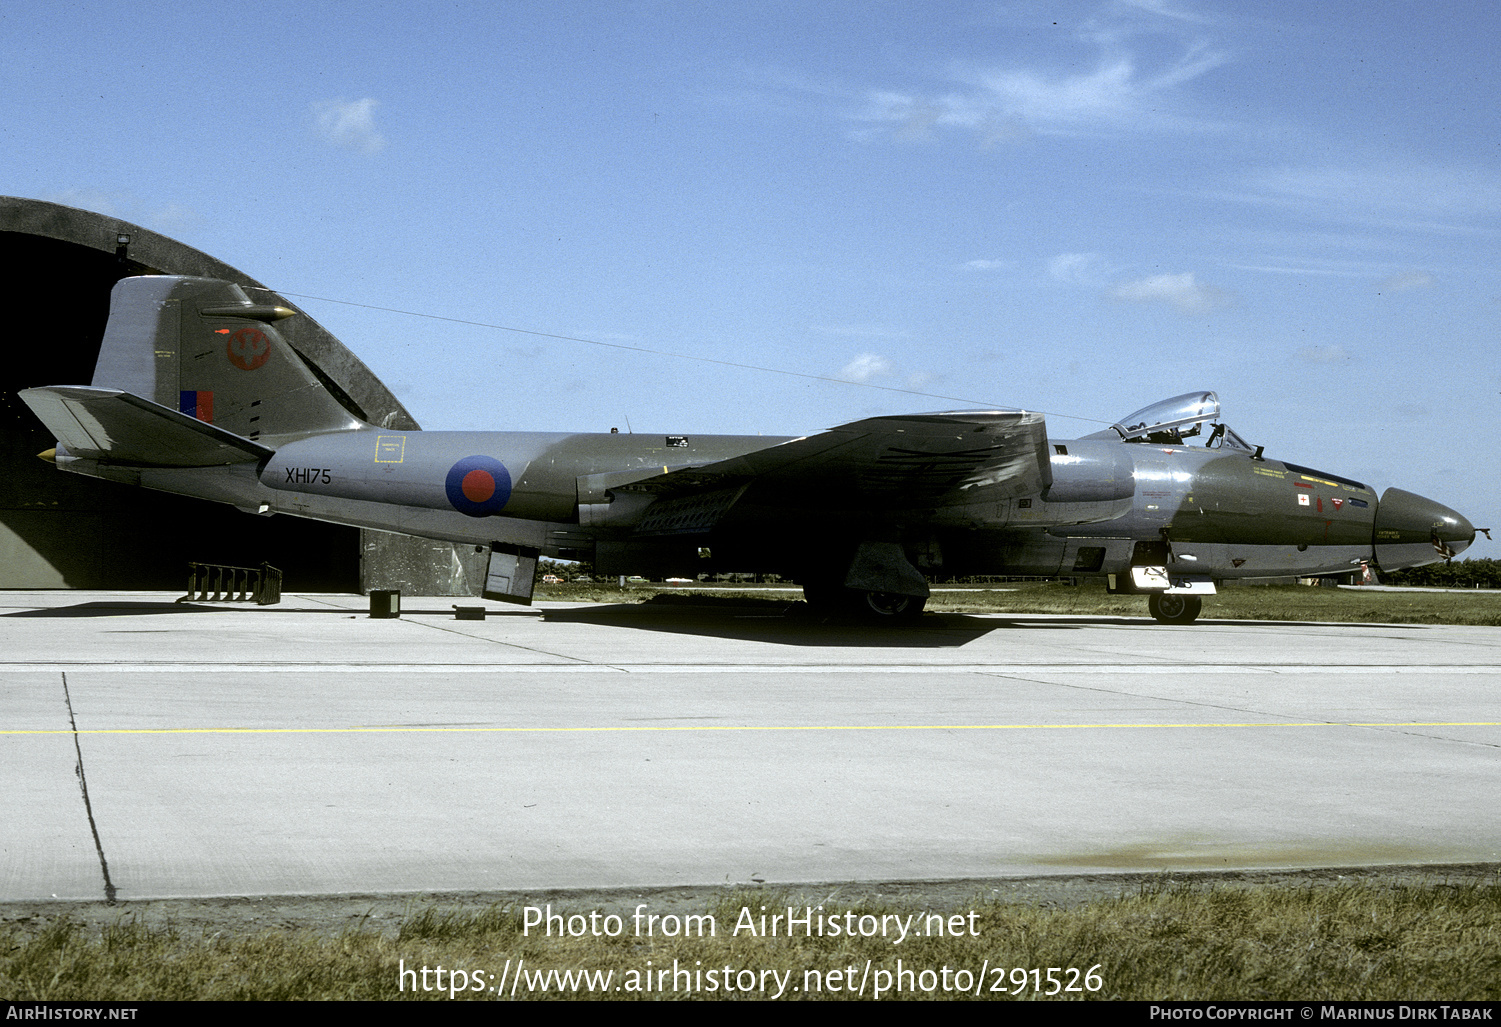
872, 607
1174, 609
887, 607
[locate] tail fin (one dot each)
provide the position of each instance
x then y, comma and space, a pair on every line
199, 346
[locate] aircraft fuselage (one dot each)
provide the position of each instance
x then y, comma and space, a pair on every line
1212, 513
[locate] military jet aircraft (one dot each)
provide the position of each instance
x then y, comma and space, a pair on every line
196, 393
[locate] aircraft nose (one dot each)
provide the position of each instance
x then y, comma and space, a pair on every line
1407, 522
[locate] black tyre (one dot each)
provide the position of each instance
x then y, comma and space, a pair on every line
1174, 609
888, 608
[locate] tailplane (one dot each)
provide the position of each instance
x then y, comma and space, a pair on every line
116, 427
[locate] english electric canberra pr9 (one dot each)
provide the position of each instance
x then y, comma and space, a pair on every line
195, 392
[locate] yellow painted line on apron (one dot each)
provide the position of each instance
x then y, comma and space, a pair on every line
397, 729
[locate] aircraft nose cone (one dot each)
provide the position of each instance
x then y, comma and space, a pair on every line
1405, 522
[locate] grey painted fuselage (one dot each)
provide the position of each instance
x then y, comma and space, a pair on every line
1223, 513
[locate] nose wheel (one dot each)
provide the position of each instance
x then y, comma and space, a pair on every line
1174, 609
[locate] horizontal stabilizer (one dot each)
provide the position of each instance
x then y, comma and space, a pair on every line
117, 427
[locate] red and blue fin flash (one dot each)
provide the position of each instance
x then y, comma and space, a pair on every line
197, 403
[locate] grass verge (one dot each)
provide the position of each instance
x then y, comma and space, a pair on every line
1275, 603
1355, 941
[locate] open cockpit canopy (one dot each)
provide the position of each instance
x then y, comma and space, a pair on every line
1172, 421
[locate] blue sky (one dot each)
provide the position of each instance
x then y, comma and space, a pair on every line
1078, 208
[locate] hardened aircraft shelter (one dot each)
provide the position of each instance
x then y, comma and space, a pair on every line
57, 266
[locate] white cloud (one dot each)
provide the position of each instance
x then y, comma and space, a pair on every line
349, 124
1407, 280
1405, 193
1182, 291
1104, 94
1120, 89
865, 367
1167, 9
989, 265
1010, 105
1306, 269
1079, 268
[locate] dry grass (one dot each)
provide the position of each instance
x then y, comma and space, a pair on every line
1274, 603
1347, 942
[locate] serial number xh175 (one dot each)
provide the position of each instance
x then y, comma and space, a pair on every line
196, 393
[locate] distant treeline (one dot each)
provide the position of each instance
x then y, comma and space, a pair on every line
1455, 574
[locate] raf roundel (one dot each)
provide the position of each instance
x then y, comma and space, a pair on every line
478, 486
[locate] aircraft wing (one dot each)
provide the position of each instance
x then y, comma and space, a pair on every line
114, 426
885, 462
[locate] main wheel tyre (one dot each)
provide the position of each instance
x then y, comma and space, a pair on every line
1174, 609
887, 607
